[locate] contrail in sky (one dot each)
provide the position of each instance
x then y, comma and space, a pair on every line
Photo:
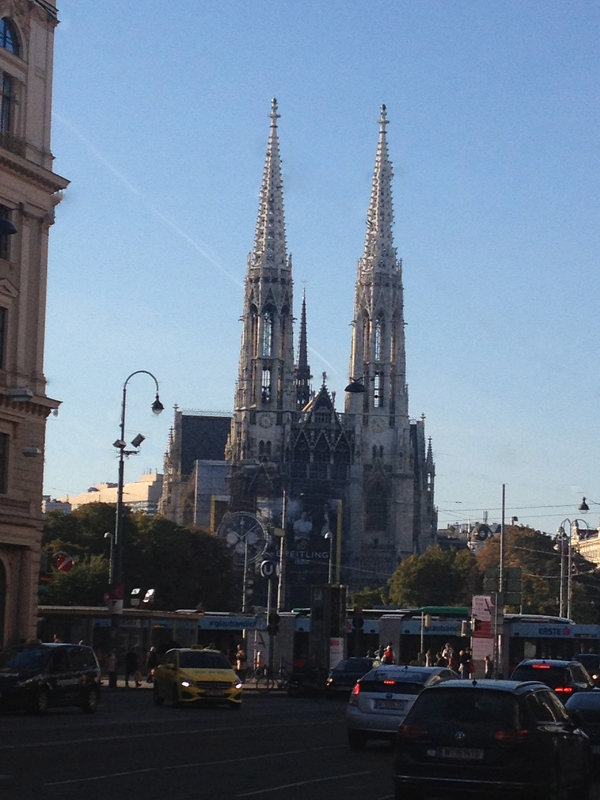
200, 248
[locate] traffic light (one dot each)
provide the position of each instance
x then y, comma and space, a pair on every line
273, 623
358, 619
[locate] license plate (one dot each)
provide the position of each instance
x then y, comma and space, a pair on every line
396, 705
462, 753
213, 693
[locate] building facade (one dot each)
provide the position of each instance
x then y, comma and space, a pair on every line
142, 495
29, 192
355, 488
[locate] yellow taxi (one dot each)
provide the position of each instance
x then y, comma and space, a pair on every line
196, 675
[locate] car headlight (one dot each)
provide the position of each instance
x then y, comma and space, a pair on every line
186, 684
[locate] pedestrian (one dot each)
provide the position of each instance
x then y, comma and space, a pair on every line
488, 667
111, 668
151, 664
388, 655
240, 662
132, 667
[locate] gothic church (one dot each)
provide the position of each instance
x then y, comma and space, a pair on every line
352, 492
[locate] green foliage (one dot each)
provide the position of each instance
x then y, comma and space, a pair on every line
370, 597
187, 568
83, 585
437, 577
537, 555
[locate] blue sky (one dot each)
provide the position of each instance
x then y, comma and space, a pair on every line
160, 123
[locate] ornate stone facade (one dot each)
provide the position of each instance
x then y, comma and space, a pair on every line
362, 479
29, 191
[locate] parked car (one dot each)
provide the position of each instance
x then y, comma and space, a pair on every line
584, 710
196, 675
564, 677
37, 676
381, 699
491, 739
591, 661
343, 676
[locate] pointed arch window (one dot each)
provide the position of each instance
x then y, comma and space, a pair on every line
253, 331
266, 386
376, 508
378, 390
8, 36
379, 337
267, 335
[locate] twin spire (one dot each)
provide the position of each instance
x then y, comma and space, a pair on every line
269, 239
379, 240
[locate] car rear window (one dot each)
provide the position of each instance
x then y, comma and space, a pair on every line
410, 682
551, 676
24, 658
199, 660
466, 706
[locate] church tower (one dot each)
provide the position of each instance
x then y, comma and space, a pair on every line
389, 481
265, 395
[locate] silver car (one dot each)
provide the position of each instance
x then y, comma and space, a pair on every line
381, 699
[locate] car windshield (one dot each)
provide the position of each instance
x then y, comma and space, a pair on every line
466, 706
353, 665
33, 658
190, 659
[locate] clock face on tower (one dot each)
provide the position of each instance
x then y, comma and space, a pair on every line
266, 420
245, 536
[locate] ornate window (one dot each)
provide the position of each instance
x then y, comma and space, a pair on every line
379, 334
4, 237
266, 385
8, 36
5, 101
378, 390
267, 337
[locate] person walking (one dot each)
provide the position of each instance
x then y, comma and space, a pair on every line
131, 667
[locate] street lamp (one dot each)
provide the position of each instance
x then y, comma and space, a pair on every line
330, 538
561, 536
121, 444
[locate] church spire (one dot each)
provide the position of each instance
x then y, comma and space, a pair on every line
269, 239
379, 242
302, 372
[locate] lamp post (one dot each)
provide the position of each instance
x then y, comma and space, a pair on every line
329, 536
561, 536
121, 444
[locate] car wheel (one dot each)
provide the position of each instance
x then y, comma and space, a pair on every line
90, 701
357, 740
39, 702
158, 698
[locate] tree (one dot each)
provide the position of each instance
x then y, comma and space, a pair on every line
84, 585
437, 577
539, 558
186, 568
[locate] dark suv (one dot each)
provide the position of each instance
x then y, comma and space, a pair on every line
35, 676
490, 738
565, 677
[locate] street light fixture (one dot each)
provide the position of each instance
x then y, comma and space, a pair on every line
561, 535
329, 537
121, 444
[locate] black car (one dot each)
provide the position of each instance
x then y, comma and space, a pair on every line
591, 661
343, 676
564, 677
34, 677
584, 710
490, 739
